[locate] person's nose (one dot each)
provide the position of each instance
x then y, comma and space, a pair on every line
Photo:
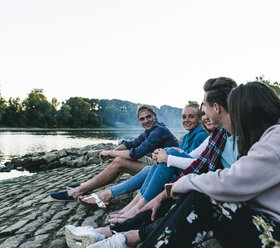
145, 119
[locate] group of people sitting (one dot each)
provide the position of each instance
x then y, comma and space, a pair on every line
221, 181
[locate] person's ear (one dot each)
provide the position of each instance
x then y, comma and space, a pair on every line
217, 108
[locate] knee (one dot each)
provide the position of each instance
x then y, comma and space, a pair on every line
117, 162
146, 169
173, 151
195, 198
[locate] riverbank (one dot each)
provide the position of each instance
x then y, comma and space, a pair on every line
29, 219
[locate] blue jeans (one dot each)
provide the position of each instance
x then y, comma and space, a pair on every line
160, 174
130, 184
151, 178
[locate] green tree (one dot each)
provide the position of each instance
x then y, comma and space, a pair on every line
14, 115
95, 119
79, 110
64, 115
275, 85
39, 112
2, 106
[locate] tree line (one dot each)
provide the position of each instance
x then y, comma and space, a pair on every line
78, 112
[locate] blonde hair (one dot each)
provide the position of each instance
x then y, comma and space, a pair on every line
145, 107
195, 105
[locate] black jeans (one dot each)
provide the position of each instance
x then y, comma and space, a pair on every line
195, 217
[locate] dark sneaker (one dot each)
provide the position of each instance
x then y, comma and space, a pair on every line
61, 196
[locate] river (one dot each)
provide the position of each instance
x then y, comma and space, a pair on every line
18, 143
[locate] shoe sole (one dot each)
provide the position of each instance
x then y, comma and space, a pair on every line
77, 241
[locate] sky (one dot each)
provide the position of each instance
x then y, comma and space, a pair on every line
146, 51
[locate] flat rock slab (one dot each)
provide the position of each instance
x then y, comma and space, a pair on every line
28, 218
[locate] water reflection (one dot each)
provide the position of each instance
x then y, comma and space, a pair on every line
19, 143
14, 173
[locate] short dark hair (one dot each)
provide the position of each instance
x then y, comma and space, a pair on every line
253, 107
218, 89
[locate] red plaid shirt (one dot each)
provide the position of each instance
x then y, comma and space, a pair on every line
210, 159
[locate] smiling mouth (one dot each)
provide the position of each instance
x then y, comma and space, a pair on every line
148, 124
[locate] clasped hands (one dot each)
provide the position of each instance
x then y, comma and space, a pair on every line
159, 156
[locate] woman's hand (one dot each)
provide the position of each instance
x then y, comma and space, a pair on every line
174, 195
153, 205
154, 155
161, 156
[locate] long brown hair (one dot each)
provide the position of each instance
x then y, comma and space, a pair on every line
253, 107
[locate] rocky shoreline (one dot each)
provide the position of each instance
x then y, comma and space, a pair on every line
29, 219
71, 157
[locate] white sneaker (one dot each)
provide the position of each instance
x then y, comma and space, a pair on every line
81, 237
115, 241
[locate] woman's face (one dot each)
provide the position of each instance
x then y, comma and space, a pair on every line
190, 119
205, 119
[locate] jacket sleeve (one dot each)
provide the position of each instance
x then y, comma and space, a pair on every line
134, 143
153, 141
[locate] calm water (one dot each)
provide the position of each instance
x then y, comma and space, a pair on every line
19, 143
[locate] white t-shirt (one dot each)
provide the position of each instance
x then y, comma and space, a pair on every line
183, 163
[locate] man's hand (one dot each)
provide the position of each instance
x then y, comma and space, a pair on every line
104, 156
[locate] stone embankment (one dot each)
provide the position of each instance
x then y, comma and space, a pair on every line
29, 219
71, 157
